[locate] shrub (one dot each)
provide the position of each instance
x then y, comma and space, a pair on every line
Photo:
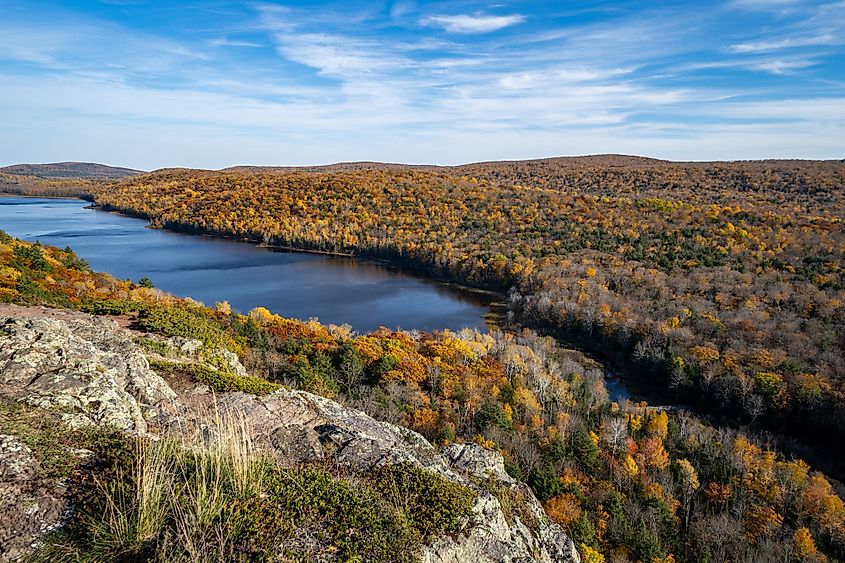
31, 256
111, 306
70, 260
184, 321
221, 381
431, 504
544, 481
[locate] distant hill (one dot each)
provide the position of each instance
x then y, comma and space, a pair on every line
70, 170
593, 160
542, 166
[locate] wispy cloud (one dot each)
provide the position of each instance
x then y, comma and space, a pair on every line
469, 24
826, 39
225, 42
275, 84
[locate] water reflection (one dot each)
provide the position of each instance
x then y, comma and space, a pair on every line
363, 293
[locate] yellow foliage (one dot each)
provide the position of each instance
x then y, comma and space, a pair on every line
658, 423
631, 466
563, 509
484, 442
762, 521
688, 474
635, 422
261, 314
653, 453
590, 555
9, 276
508, 410
805, 547
705, 354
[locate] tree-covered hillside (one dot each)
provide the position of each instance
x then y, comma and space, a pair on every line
626, 481
719, 283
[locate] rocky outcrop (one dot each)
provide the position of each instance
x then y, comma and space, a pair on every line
297, 426
29, 505
92, 372
87, 367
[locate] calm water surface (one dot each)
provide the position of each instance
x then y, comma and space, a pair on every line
338, 290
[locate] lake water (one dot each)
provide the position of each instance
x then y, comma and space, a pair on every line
366, 294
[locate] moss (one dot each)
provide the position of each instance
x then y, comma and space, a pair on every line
156, 347
432, 505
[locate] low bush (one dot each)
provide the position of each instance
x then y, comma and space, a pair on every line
221, 500
220, 380
184, 321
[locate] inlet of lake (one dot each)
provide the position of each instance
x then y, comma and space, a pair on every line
363, 293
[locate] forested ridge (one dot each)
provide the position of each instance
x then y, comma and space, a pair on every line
720, 283
626, 481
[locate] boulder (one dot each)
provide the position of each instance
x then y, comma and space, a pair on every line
88, 368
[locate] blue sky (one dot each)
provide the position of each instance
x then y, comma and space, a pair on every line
212, 83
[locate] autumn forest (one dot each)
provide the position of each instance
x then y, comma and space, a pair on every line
715, 289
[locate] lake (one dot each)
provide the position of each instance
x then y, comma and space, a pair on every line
363, 293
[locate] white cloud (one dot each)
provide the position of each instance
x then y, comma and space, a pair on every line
628, 84
788, 43
225, 42
465, 23
771, 65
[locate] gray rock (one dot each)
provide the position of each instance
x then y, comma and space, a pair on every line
89, 369
296, 426
29, 506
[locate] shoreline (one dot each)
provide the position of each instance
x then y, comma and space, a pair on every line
495, 302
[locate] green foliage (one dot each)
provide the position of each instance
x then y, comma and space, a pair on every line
513, 469
380, 367
492, 414
249, 333
32, 293
70, 260
645, 546
111, 306
431, 504
512, 501
769, 383
583, 531
218, 379
49, 439
314, 375
155, 346
31, 257
146, 282
544, 481
185, 321
555, 450
585, 450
